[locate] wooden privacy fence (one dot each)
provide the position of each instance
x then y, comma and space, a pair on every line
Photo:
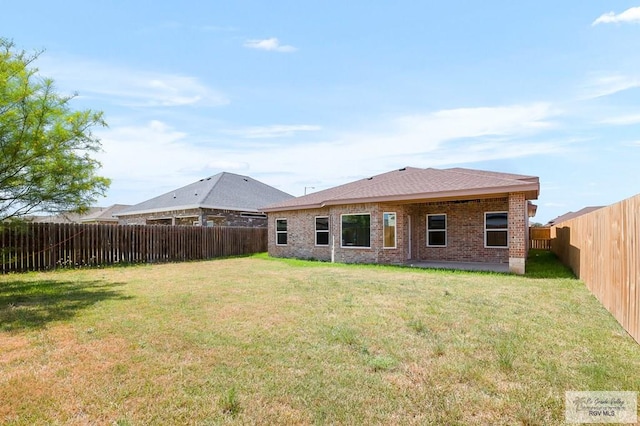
540, 238
601, 248
42, 246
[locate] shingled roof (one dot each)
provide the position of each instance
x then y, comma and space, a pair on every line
412, 184
224, 191
572, 215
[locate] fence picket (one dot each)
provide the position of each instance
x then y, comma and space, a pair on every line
601, 248
44, 246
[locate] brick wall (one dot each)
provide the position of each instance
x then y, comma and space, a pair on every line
518, 219
465, 231
301, 235
518, 228
187, 217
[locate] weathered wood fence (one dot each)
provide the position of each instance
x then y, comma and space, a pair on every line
540, 238
42, 246
602, 249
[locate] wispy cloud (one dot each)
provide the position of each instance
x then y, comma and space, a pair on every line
622, 120
274, 131
605, 85
129, 87
440, 138
631, 15
151, 157
270, 44
454, 136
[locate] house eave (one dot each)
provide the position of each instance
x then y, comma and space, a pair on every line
186, 207
531, 191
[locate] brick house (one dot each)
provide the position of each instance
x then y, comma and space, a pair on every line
225, 199
410, 215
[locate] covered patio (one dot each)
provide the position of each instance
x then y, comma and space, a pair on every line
463, 266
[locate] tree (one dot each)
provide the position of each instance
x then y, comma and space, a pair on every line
45, 145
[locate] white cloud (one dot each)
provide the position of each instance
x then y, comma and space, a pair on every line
274, 131
630, 15
482, 121
456, 136
129, 87
622, 120
154, 158
270, 44
152, 151
605, 85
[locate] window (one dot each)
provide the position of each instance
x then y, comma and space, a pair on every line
322, 231
162, 221
186, 220
496, 226
281, 232
216, 221
253, 215
356, 230
436, 230
389, 228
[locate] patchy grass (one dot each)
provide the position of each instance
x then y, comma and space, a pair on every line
545, 264
270, 341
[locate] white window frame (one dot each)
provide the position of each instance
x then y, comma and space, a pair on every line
395, 230
446, 223
282, 232
495, 230
356, 214
327, 231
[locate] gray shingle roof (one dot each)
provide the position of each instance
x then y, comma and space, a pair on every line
412, 184
572, 215
105, 214
224, 191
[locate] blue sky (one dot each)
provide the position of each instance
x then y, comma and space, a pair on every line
314, 94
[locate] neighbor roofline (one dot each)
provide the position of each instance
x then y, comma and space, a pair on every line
186, 207
531, 188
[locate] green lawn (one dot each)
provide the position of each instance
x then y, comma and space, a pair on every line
270, 341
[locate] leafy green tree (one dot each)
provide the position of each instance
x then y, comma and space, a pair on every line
45, 145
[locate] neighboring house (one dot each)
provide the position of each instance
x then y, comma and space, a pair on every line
95, 215
571, 215
411, 214
103, 216
225, 199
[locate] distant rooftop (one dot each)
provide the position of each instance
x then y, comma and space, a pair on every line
223, 191
95, 214
571, 215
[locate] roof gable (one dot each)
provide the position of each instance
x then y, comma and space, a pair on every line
412, 184
573, 215
223, 191
105, 214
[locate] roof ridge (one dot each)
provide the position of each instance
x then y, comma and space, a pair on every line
205, 196
486, 174
355, 188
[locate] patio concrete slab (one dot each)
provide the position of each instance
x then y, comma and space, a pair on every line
462, 266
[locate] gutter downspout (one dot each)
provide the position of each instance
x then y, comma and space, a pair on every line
333, 248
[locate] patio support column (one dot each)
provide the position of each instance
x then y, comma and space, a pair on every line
517, 232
